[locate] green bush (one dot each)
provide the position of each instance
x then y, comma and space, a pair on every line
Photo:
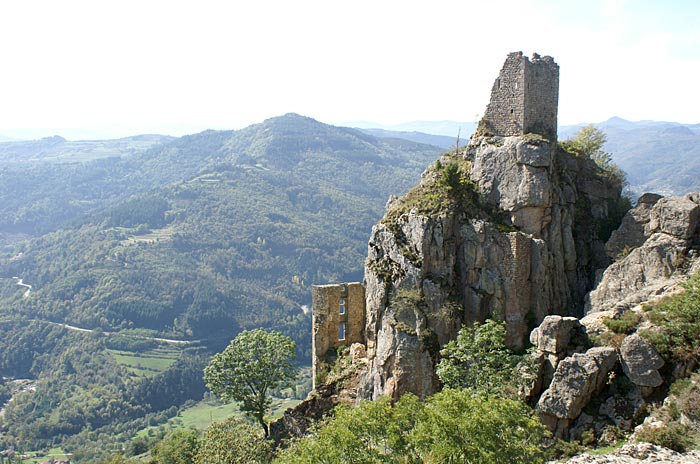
479, 361
674, 436
625, 324
453, 426
678, 318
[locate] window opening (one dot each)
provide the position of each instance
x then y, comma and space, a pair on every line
341, 331
342, 306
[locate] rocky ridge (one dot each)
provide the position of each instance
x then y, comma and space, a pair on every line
516, 228
524, 244
638, 453
657, 247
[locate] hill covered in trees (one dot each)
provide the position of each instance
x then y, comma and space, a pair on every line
195, 239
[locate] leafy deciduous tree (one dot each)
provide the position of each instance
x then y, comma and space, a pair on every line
478, 360
178, 447
588, 142
255, 362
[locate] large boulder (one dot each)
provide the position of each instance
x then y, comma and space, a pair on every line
633, 230
577, 379
677, 216
640, 361
554, 333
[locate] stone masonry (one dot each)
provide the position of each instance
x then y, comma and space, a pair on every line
524, 98
338, 318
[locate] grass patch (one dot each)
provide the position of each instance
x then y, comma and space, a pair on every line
625, 324
37, 457
203, 413
146, 364
153, 236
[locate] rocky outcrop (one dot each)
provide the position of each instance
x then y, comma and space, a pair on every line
554, 334
577, 379
556, 338
524, 246
640, 361
633, 229
668, 231
638, 453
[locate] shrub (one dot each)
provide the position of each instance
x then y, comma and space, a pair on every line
479, 361
625, 324
673, 436
452, 426
678, 317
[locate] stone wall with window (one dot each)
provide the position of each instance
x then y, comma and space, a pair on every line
338, 319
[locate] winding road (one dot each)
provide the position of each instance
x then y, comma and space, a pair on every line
170, 341
21, 283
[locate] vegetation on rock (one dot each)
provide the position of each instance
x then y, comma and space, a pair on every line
588, 143
479, 361
677, 318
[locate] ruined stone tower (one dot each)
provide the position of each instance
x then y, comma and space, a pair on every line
338, 319
524, 98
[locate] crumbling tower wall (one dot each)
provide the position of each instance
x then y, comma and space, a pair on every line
524, 98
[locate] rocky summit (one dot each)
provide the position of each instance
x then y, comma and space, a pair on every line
516, 227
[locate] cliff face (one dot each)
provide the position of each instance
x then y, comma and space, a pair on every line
657, 246
522, 241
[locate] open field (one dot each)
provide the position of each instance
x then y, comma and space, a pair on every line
155, 235
200, 415
148, 363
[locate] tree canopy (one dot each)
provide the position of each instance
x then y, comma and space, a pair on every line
453, 426
588, 142
479, 361
255, 362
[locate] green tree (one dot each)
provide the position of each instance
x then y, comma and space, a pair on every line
453, 426
254, 363
374, 432
479, 361
588, 142
456, 426
233, 442
178, 447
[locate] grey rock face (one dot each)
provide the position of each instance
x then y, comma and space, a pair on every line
554, 333
663, 259
575, 381
516, 176
468, 269
638, 453
676, 216
641, 361
633, 229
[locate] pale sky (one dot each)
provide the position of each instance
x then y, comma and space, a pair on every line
173, 66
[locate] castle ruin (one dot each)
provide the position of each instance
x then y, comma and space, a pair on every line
338, 319
524, 98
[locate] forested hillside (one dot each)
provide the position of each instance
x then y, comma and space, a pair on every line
194, 239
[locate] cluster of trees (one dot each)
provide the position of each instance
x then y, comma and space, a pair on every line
200, 238
472, 420
83, 396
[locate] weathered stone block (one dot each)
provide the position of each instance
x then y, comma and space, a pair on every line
641, 361
577, 379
